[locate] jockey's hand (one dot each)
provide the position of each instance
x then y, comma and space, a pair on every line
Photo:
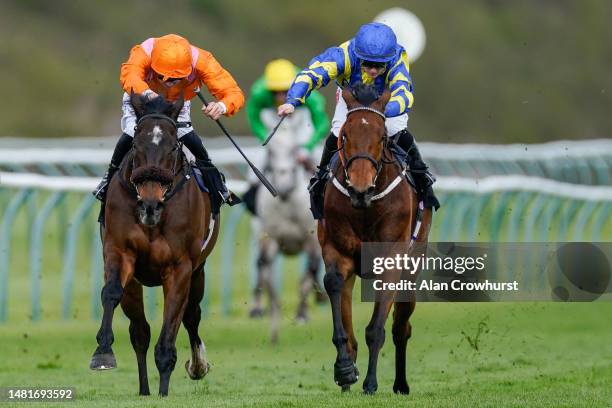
214, 110
286, 109
150, 94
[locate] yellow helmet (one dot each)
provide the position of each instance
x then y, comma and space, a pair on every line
279, 75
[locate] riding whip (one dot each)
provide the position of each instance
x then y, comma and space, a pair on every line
274, 130
258, 173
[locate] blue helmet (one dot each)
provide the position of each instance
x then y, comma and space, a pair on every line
375, 42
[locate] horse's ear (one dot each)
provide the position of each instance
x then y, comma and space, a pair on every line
175, 108
348, 97
383, 100
138, 103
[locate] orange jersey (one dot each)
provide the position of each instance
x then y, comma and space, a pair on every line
137, 76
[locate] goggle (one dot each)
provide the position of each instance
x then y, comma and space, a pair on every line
373, 64
161, 78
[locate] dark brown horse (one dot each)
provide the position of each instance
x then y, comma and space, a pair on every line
158, 231
366, 203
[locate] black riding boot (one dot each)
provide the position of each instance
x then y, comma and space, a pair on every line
123, 146
420, 173
214, 179
317, 182
249, 198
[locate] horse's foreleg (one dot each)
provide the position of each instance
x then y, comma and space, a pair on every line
118, 271
347, 316
257, 309
267, 257
375, 338
402, 331
306, 284
337, 270
197, 367
140, 331
176, 283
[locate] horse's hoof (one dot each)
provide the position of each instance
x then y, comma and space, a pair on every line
301, 319
199, 373
369, 389
103, 361
401, 388
256, 313
345, 388
345, 373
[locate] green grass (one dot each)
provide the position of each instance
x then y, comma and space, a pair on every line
532, 354
527, 354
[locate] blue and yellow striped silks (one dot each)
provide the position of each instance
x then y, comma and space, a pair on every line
341, 63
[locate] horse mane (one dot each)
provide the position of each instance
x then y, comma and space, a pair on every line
157, 105
364, 94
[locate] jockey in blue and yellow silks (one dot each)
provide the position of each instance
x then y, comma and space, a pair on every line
372, 57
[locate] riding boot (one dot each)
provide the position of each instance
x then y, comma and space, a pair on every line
317, 182
213, 178
123, 146
249, 198
420, 173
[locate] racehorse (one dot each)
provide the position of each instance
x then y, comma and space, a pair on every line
158, 231
284, 225
368, 201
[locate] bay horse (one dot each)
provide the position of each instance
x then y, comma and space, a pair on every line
158, 231
369, 200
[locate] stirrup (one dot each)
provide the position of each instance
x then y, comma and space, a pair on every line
230, 198
100, 191
321, 176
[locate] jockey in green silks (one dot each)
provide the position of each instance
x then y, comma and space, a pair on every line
270, 91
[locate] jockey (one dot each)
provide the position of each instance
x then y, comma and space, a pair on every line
270, 91
373, 57
169, 66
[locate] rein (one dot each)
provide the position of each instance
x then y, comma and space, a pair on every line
179, 156
342, 142
161, 116
378, 164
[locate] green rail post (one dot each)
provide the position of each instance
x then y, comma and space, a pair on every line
70, 252
36, 249
518, 205
97, 273
227, 259
599, 221
5, 247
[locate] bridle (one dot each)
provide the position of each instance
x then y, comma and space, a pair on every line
170, 189
346, 163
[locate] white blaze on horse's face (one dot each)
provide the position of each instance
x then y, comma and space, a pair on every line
157, 135
364, 121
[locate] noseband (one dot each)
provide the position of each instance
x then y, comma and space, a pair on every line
346, 163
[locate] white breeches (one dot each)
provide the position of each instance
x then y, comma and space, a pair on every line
128, 120
393, 125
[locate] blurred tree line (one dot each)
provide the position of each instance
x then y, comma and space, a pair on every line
492, 71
